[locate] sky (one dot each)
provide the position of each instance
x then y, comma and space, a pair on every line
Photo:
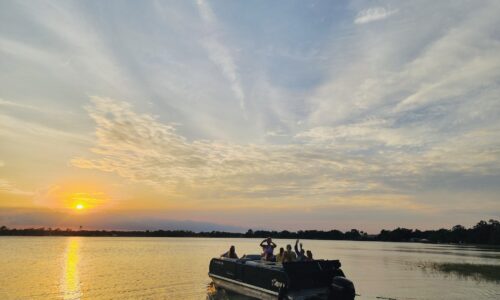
229, 115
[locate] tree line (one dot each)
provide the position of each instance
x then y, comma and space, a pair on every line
483, 232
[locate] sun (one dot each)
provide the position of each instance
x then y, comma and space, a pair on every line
79, 206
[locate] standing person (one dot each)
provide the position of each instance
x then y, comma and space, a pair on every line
280, 256
289, 255
309, 255
268, 247
301, 256
231, 253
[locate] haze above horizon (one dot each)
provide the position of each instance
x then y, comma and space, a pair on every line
275, 115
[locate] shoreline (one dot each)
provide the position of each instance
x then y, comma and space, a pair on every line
483, 233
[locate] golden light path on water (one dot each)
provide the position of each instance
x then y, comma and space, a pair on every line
70, 276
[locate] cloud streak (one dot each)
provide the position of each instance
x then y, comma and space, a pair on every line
9, 188
374, 14
219, 53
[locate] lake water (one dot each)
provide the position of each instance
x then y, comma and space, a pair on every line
176, 268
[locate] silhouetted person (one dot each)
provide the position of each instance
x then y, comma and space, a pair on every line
231, 253
289, 255
280, 256
301, 256
268, 248
309, 255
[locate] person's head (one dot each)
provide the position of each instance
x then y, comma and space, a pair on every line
269, 240
288, 247
302, 251
309, 254
231, 249
282, 250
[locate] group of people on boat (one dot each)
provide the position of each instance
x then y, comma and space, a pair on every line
287, 255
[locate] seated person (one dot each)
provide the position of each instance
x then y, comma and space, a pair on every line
289, 255
309, 255
279, 256
231, 253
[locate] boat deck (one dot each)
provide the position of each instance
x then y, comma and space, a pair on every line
256, 263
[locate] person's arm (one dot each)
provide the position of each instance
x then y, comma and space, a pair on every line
225, 254
273, 245
262, 243
296, 248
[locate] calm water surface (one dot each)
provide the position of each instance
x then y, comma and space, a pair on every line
176, 268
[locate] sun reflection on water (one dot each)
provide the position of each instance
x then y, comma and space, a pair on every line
70, 276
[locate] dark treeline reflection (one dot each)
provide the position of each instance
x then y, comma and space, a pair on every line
482, 233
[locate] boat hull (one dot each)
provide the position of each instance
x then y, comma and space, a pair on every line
243, 289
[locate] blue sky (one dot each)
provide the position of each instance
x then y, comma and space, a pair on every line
282, 114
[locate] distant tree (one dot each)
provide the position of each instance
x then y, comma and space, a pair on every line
482, 233
439, 236
458, 234
352, 235
494, 238
417, 234
336, 235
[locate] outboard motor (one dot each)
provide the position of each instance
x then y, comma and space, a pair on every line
341, 289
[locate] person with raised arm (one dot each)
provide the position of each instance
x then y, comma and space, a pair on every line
268, 247
301, 256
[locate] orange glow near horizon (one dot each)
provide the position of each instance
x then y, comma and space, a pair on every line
77, 195
81, 201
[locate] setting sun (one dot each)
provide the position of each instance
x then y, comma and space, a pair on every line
80, 206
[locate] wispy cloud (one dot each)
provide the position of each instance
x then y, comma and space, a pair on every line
6, 103
22, 129
219, 53
373, 14
140, 148
7, 187
323, 163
